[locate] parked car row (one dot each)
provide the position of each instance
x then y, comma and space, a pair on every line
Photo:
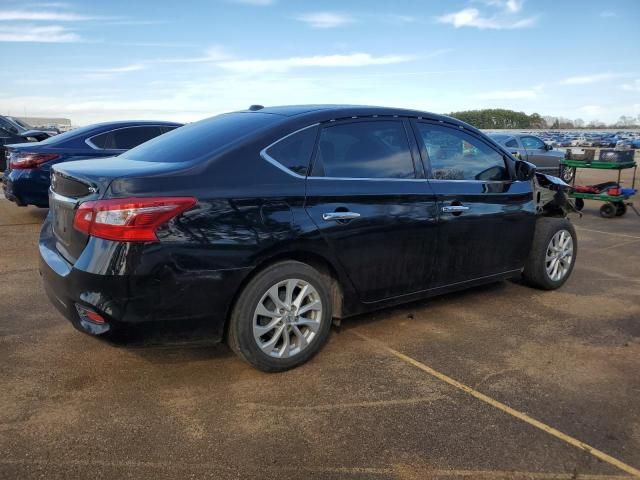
269, 224
620, 140
13, 130
27, 177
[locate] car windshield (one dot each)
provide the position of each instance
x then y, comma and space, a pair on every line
198, 140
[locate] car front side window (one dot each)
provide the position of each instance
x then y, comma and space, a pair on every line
532, 143
364, 149
456, 155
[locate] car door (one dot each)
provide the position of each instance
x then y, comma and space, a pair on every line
368, 197
538, 154
516, 148
486, 218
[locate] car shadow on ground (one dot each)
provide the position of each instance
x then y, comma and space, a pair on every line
407, 310
183, 342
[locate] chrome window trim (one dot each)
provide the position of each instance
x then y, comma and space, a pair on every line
370, 179
275, 163
91, 144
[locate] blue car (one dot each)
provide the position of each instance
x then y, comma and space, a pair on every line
27, 178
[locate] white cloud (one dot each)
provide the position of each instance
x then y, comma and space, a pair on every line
512, 6
522, 94
325, 19
588, 79
322, 61
42, 15
634, 86
471, 17
125, 69
39, 34
591, 110
213, 54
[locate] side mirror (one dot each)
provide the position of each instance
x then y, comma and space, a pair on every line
525, 170
548, 147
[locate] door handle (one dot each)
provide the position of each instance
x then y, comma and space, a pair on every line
339, 216
454, 209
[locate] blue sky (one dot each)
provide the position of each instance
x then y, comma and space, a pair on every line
106, 60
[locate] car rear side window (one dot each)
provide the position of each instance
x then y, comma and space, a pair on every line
512, 143
202, 139
294, 151
370, 149
456, 155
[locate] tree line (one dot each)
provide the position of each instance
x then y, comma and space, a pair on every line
500, 118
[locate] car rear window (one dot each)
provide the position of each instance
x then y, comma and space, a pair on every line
70, 135
127, 137
200, 139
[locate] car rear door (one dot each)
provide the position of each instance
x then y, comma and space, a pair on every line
369, 199
486, 218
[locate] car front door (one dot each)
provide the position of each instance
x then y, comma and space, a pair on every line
369, 199
486, 218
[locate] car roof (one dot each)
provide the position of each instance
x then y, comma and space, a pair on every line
319, 113
132, 123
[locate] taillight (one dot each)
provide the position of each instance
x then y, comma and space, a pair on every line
129, 219
21, 160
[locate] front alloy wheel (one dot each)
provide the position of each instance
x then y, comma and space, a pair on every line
287, 318
553, 253
567, 174
559, 255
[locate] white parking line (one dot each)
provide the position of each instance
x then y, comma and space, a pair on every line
607, 233
505, 408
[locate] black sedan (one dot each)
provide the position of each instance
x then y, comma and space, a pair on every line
27, 177
268, 224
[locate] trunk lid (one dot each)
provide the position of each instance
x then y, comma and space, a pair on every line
76, 182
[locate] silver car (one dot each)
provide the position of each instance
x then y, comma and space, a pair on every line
534, 150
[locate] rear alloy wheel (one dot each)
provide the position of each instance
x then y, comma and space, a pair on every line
287, 318
282, 317
553, 254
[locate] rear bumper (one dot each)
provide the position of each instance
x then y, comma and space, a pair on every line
26, 187
161, 295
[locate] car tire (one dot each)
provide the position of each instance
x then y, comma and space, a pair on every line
579, 204
608, 210
294, 338
567, 174
550, 248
